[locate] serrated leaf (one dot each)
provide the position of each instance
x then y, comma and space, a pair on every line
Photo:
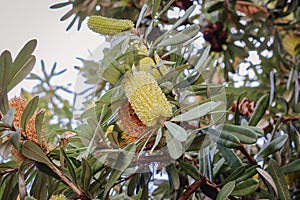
246, 187
173, 176
174, 146
278, 177
177, 131
29, 111
196, 112
34, 152
268, 178
226, 190
274, 146
260, 109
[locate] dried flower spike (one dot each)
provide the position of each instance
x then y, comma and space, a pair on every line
146, 97
109, 26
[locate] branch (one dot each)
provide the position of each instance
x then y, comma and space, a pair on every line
78, 192
194, 186
8, 171
247, 155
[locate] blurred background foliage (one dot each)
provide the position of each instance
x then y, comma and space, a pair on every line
252, 48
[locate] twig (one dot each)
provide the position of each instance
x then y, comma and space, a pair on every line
8, 171
194, 186
247, 155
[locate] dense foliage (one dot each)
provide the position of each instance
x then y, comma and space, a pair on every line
202, 104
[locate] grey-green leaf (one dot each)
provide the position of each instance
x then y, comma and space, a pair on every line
278, 177
226, 190
274, 146
174, 146
29, 111
34, 152
260, 109
268, 178
177, 131
196, 112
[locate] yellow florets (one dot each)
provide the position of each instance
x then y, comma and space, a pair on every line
146, 97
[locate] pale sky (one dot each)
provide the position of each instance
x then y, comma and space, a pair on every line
21, 21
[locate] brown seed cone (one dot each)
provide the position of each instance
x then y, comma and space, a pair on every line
130, 123
30, 134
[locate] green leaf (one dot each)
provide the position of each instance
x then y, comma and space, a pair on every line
173, 176
186, 15
236, 174
122, 162
9, 117
196, 112
291, 167
86, 175
199, 142
225, 139
189, 170
39, 125
132, 185
157, 140
216, 6
246, 187
15, 139
69, 165
155, 7
141, 15
177, 131
23, 64
250, 172
226, 191
181, 37
218, 166
5, 149
29, 111
264, 174
174, 146
274, 146
21, 180
260, 109
245, 135
34, 152
5, 69
231, 157
278, 177
237, 113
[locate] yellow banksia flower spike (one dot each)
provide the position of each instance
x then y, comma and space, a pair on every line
148, 64
109, 26
146, 97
